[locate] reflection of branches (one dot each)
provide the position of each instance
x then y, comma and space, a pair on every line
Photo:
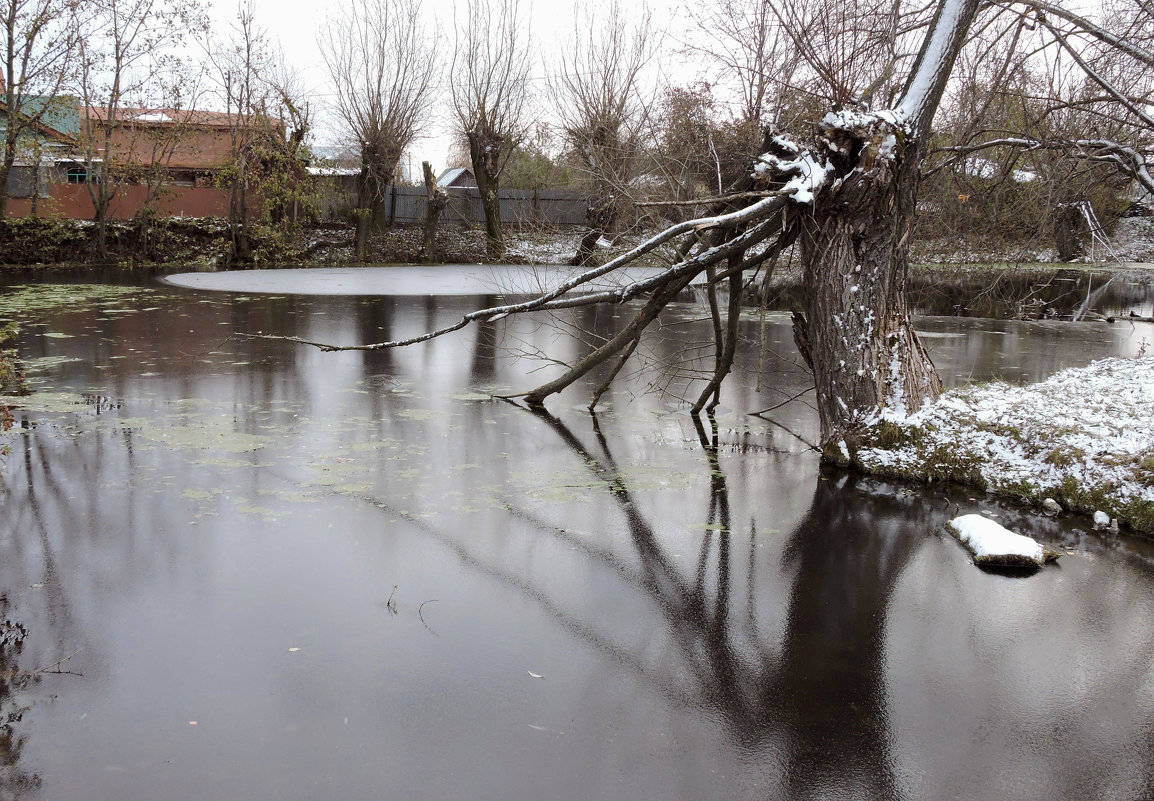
14, 782
818, 693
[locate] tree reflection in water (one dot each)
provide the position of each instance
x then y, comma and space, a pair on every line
816, 699
14, 780
820, 694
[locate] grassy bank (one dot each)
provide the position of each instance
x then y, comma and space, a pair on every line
1084, 437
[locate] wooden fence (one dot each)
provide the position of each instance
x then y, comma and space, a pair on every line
520, 207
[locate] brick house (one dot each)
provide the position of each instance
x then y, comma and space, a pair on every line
180, 151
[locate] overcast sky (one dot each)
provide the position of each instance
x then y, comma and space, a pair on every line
293, 23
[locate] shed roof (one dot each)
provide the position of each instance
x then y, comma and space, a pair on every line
449, 176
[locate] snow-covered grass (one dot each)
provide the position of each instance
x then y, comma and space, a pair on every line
991, 543
1084, 437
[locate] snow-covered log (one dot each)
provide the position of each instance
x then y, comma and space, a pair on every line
994, 545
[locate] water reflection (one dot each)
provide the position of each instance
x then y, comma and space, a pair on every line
816, 699
713, 617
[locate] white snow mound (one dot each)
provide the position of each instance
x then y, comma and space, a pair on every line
993, 544
1084, 437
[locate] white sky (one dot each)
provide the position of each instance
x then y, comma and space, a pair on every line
293, 23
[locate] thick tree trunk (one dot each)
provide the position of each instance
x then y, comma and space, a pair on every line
378, 163
601, 215
436, 200
5, 171
857, 335
369, 210
1069, 229
485, 150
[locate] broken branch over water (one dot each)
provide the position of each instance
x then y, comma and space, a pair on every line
727, 236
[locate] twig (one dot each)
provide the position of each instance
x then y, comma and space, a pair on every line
799, 437
390, 604
707, 200
422, 617
213, 349
56, 665
783, 403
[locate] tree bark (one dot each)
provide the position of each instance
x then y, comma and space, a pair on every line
484, 151
601, 216
857, 335
436, 200
1069, 227
5, 171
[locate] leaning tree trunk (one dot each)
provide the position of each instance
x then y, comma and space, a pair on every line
857, 335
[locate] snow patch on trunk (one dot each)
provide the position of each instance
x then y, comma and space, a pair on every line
938, 53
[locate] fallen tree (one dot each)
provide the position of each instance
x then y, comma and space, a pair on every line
847, 198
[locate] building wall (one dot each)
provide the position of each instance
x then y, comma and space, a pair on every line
189, 147
73, 200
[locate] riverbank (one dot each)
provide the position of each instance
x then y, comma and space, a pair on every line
64, 243
1084, 438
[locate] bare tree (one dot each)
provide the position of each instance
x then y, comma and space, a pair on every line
382, 63
148, 139
238, 64
40, 39
847, 198
129, 46
747, 50
597, 95
267, 124
1115, 56
489, 83
1060, 97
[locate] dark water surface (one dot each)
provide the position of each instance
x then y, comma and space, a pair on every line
294, 575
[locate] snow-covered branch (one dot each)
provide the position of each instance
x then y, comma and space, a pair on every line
935, 61
1126, 159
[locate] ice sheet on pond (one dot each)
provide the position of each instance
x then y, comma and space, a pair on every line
409, 281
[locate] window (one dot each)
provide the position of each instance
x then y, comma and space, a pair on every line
78, 174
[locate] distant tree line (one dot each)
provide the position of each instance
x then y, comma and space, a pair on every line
1044, 119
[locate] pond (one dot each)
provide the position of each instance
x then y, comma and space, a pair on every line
280, 573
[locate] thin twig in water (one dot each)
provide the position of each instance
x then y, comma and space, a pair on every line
390, 604
797, 436
783, 403
57, 665
422, 617
211, 350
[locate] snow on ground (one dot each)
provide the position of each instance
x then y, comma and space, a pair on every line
1084, 437
993, 544
1132, 241
537, 248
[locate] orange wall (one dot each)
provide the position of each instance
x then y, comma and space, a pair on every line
195, 147
73, 200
